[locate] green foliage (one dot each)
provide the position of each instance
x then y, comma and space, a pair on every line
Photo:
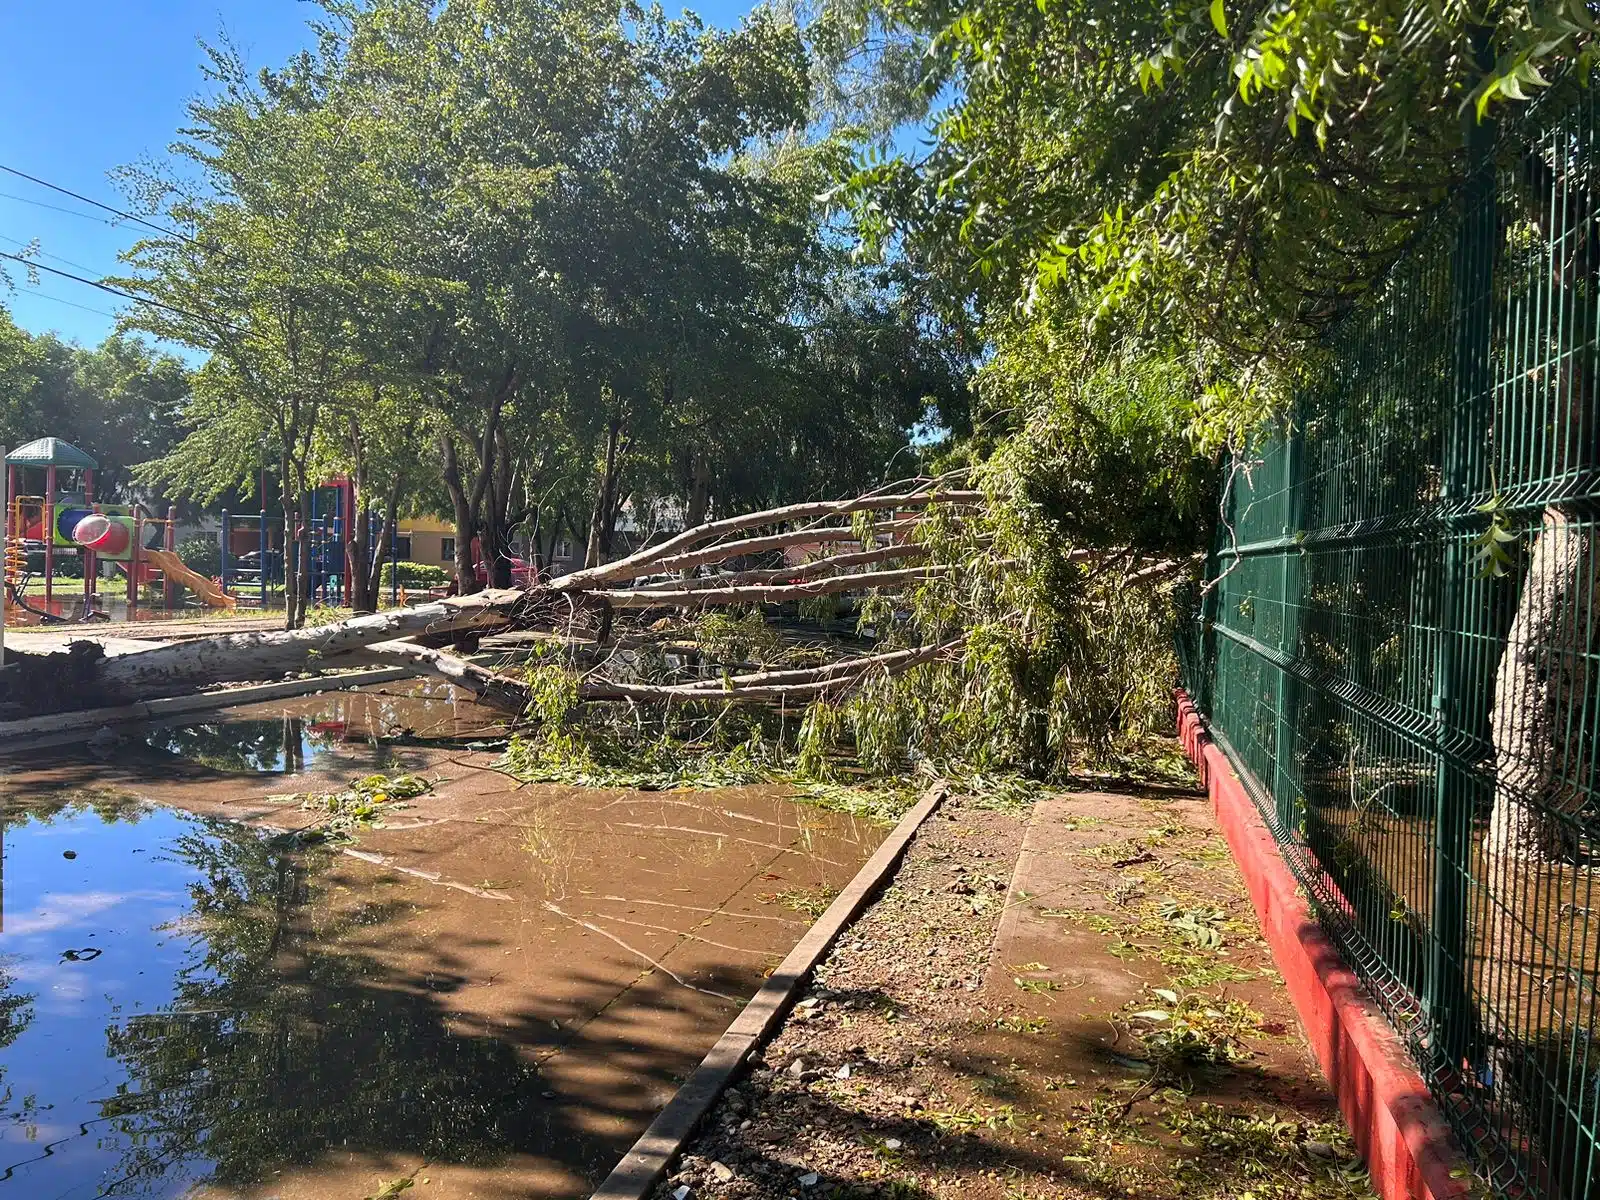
1493, 547
1194, 1030
202, 554
121, 401
339, 815
587, 757
413, 575
528, 262
1277, 1157
731, 636
1218, 182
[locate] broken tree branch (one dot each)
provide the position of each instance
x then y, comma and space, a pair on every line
808, 570
628, 568
776, 594
893, 661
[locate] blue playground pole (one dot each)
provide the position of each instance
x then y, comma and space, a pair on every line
313, 536
394, 567
336, 559
261, 534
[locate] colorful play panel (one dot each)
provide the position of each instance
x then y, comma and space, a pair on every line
63, 520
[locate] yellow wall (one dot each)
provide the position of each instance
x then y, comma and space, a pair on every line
428, 536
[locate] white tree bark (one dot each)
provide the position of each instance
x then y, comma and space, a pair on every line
238, 657
1539, 686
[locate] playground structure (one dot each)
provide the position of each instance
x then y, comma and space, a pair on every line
66, 522
51, 514
253, 558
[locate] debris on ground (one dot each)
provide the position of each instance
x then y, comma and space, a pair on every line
338, 815
1121, 1033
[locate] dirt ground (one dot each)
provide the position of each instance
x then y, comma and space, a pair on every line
1105, 1022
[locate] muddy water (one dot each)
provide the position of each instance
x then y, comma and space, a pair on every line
492, 995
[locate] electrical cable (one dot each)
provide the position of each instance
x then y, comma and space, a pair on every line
106, 287
127, 216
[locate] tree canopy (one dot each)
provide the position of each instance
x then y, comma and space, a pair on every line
576, 252
123, 401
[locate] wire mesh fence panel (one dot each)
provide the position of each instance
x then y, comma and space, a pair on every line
1398, 646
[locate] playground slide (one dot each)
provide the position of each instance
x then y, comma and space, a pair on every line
170, 565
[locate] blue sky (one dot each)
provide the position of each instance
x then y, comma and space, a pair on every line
89, 85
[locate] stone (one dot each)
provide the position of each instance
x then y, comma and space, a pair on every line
681, 1192
721, 1171
892, 1144
809, 1179
797, 1068
843, 1072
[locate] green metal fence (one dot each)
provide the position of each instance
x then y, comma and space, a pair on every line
1397, 647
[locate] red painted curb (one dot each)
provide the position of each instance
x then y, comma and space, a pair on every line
1408, 1146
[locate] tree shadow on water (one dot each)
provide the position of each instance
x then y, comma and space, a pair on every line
282, 1046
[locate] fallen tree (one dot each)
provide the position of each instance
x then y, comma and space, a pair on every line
690, 624
83, 676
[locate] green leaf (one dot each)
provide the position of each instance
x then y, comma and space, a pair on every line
1219, 19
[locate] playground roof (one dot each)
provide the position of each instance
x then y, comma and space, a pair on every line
51, 452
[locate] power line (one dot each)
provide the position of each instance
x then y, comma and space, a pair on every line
38, 295
128, 216
46, 254
71, 212
106, 287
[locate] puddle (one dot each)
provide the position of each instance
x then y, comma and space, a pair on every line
496, 993
173, 1016
67, 602
283, 737
370, 729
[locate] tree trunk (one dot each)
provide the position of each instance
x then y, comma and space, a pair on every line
498, 549
185, 666
291, 524
381, 549
465, 518
699, 498
302, 584
603, 521
1541, 679
358, 533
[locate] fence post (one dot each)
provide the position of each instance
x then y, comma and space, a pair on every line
1287, 790
1448, 1000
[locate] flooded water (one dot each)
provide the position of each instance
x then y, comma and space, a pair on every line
67, 602
493, 994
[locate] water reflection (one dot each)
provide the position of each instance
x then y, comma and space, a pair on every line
222, 1032
278, 745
